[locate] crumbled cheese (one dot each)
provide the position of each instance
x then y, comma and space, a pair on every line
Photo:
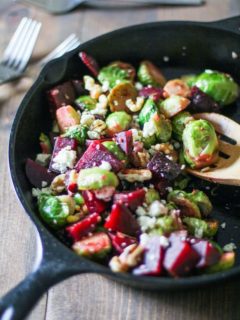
105, 165
223, 225
146, 222
90, 85
65, 159
43, 158
144, 238
36, 191
135, 106
183, 166
177, 145
166, 58
136, 136
44, 184
140, 211
105, 86
169, 189
93, 135
149, 129
234, 55
229, 247
87, 119
138, 85
101, 106
157, 209
164, 241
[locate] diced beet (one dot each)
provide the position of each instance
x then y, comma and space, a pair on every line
83, 227
206, 250
202, 102
61, 95
120, 241
78, 87
36, 174
132, 199
125, 141
180, 258
150, 92
162, 186
162, 167
94, 155
153, 258
89, 62
61, 143
88, 141
122, 220
93, 204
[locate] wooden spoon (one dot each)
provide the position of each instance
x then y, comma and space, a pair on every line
227, 169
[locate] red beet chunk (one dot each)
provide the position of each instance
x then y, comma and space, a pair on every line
206, 250
125, 141
150, 92
83, 227
132, 199
202, 102
61, 95
78, 87
89, 62
94, 155
153, 258
36, 174
61, 143
122, 220
120, 241
163, 168
180, 258
93, 204
161, 185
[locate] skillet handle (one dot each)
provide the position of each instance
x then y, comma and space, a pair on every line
231, 24
17, 303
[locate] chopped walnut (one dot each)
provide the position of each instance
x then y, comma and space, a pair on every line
58, 184
135, 106
132, 175
140, 159
166, 148
98, 126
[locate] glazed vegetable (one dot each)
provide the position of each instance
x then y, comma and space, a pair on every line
117, 122
177, 87
86, 103
113, 75
149, 74
200, 228
67, 117
55, 210
164, 225
173, 105
151, 195
78, 133
96, 178
220, 86
184, 201
163, 128
179, 123
148, 110
120, 94
200, 144
202, 201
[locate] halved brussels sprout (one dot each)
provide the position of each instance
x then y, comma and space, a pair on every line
119, 95
163, 128
149, 74
117, 122
177, 87
220, 86
226, 262
113, 75
55, 210
201, 228
149, 141
78, 133
184, 202
115, 150
164, 225
179, 123
173, 105
147, 111
151, 195
200, 144
96, 178
202, 201
86, 103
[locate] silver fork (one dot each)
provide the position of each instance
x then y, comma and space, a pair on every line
68, 44
19, 50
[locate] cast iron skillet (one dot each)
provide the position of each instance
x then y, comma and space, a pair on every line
190, 47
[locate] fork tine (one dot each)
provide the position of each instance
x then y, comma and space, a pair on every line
18, 43
28, 51
69, 42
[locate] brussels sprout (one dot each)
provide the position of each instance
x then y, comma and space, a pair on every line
183, 200
182, 181
179, 123
147, 111
226, 262
151, 195
189, 79
173, 105
118, 121
200, 143
164, 225
149, 141
127, 67
78, 133
113, 75
177, 87
163, 128
202, 201
55, 210
120, 94
96, 178
149, 74
86, 102
78, 198
114, 149
201, 228
220, 86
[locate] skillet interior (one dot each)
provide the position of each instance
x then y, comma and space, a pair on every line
190, 47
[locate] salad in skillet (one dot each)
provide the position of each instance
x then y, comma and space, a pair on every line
110, 179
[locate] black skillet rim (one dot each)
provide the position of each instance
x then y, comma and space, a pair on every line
155, 283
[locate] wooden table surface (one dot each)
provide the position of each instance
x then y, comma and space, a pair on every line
90, 297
